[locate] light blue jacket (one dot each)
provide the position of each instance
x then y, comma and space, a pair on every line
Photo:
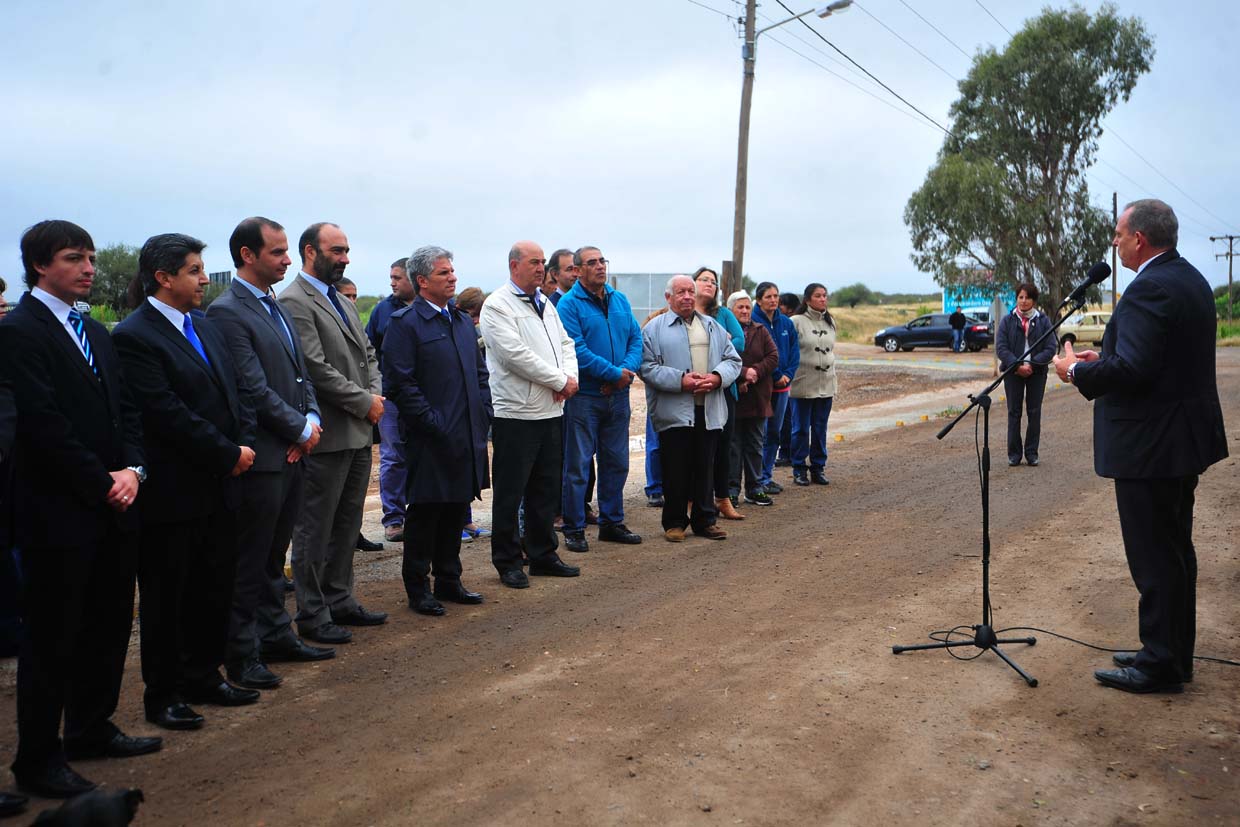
605, 333
665, 361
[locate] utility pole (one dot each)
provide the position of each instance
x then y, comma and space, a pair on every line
748, 55
1114, 254
1230, 255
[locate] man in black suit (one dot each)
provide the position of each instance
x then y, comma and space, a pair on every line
198, 434
271, 370
1157, 426
78, 453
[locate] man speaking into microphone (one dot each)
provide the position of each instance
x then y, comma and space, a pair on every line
1157, 426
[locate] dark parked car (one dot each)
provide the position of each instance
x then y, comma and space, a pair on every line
933, 330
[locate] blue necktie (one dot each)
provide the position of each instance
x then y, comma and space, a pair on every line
275, 314
79, 327
331, 294
446, 315
192, 335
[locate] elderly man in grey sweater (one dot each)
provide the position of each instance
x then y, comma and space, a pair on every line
687, 361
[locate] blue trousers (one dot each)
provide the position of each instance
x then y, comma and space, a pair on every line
957, 339
809, 432
779, 408
654, 462
392, 470
597, 426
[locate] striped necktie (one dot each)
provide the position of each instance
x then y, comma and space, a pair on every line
79, 327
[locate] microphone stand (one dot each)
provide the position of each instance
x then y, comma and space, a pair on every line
984, 637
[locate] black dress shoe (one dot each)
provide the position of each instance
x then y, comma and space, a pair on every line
326, 633
54, 782
425, 604
222, 694
819, 478
254, 675
1132, 679
176, 715
366, 545
615, 533
1130, 658
656, 501
456, 593
296, 652
514, 579
120, 746
359, 617
11, 804
576, 541
554, 567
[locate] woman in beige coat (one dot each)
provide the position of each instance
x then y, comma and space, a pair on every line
813, 387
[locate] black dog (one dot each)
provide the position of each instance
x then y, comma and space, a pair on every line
94, 809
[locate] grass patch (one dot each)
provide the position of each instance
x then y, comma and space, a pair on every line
857, 324
1228, 334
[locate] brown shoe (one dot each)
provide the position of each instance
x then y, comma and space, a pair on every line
712, 532
726, 510
674, 535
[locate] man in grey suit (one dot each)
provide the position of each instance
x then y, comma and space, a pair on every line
345, 374
272, 375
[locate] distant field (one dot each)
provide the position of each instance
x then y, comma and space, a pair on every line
857, 324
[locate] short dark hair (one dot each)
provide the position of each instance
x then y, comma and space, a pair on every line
249, 233
345, 281
401, 263
164, 253
310, 237
553, 261
789, 300
1031, 290
1155, 220
44, 240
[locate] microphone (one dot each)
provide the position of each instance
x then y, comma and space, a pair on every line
1097, 274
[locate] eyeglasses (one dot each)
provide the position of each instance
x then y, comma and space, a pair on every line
594, 262
706, 280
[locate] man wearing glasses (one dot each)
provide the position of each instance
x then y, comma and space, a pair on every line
609, 350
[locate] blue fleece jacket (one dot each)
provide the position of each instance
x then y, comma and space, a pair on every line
785, 335
605, 333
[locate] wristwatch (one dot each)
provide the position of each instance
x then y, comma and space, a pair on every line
139, 470
1072, 373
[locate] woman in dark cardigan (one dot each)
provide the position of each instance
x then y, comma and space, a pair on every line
753, 405
1027, 384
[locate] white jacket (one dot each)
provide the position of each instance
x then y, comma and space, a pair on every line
529, 358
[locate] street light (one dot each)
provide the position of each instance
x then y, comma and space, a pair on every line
748, 55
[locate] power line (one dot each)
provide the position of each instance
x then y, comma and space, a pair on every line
936, 28
712, 8
816, 48
906, 43
992, 17
829, 71
893, 92
1177, 187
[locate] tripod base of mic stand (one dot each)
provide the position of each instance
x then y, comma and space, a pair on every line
983, 638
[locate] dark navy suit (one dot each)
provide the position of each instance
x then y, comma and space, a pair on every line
1157, 426
194, 423
435, 373
77, 553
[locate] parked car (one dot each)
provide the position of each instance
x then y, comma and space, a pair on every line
1085, 327
933, 330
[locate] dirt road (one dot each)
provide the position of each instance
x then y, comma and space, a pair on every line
752, 681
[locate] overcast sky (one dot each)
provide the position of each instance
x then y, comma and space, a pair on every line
474, 124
